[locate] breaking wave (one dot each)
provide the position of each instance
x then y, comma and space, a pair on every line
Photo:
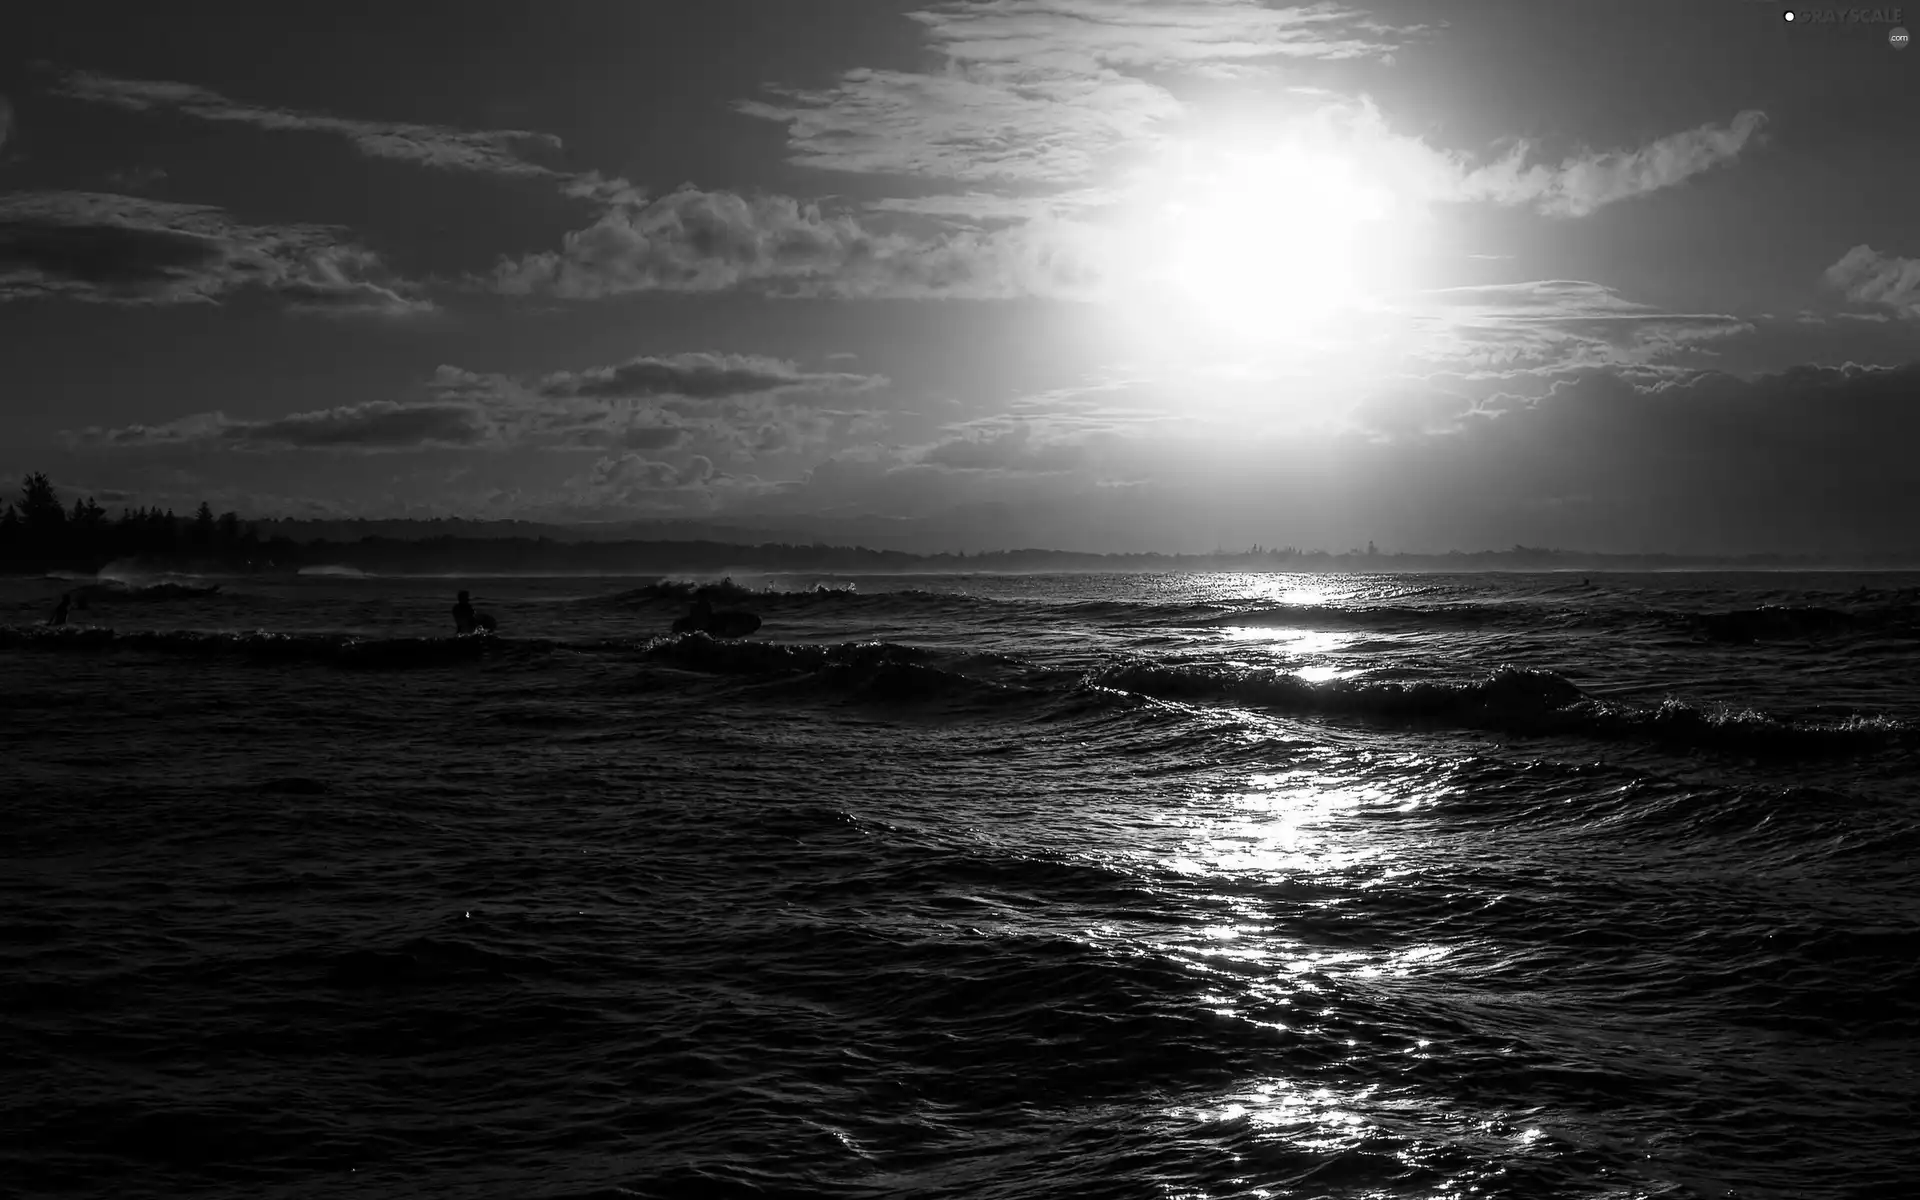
1512, 700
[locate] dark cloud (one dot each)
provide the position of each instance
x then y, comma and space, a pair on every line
625, 407
1808, 459
377, 425
650, 437
509, 152
701, 376
1812, 459
112, 248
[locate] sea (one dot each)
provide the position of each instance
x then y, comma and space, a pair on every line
981, 887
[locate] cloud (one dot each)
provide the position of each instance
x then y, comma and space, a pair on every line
632, 480
1052, 93
1811, 459
372, 426
506, 152
651, 403
1866, 276
1581, 185
1050, 131
702, 376
1041, 91
110, 248
1084, 35
1556, 323
1356, 131
699, 241
1011, 449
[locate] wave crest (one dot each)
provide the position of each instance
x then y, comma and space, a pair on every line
1517, 700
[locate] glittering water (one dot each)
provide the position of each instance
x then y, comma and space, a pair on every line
1047, 886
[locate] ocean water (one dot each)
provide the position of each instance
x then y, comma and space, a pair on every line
1170, 886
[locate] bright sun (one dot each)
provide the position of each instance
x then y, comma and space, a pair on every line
1262, 243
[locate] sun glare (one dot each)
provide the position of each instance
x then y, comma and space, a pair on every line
1267, 243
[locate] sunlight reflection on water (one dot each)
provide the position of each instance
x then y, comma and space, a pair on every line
1296, 644
1261, 965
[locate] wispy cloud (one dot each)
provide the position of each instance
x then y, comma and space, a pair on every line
1582, 184
509, 152
373, 426
702, 376
1866, 276
652, 403
700, 241
1040, 91
1557, 324
110, 248
1050, 131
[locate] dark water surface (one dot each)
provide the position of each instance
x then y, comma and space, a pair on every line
997, 887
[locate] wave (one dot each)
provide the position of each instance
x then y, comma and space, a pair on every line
683, 591
1793, 622
1523, 701
113, 590
1511, 700
1378, 616
840, 598
343, 650
853, 671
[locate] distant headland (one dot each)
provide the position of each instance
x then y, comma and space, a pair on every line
38, 534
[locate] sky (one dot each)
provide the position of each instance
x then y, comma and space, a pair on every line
1083, 274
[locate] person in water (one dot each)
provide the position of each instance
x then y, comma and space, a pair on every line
59, 614
466, 621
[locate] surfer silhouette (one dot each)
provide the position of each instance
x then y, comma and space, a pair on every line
59, 614
466, 621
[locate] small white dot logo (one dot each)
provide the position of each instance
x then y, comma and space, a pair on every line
1897, 39
1787, 16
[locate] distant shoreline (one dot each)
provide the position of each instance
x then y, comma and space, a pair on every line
452, 557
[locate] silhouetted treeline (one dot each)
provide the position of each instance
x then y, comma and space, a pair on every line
38, 533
